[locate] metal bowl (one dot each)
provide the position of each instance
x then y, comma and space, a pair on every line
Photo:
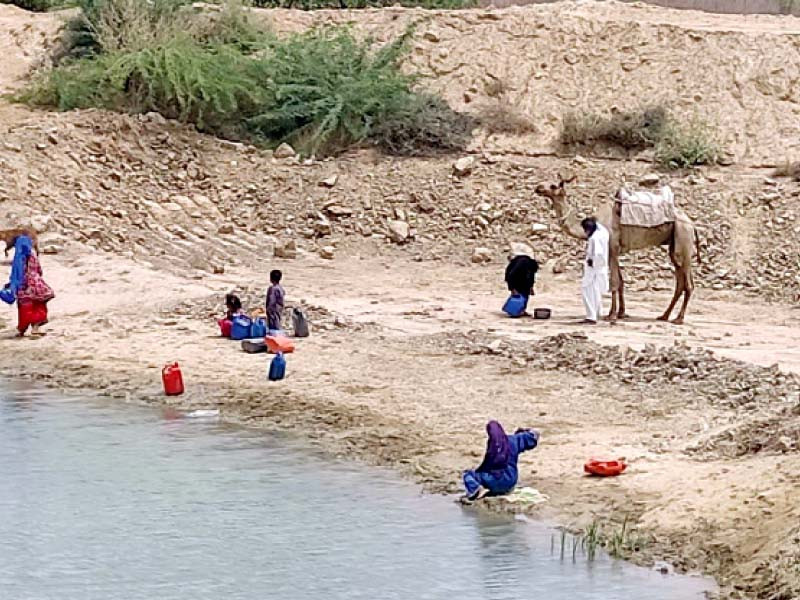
541, 313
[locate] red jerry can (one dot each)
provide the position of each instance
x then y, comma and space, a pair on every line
173, 380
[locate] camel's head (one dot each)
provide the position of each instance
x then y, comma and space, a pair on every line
555, 191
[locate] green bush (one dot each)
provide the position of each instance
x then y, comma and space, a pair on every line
676, 144
424, 126
689, 145
501, 116
130, 25
322, 91
631, 130
181, 80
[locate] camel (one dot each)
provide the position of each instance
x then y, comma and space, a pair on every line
681, 237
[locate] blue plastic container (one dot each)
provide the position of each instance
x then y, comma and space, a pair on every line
7, 296
277, 367
515, 305
258, 329
240, 329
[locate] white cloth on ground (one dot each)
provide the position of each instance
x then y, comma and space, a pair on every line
527, 495
595, 278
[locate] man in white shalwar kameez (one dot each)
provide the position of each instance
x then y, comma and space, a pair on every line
595, 269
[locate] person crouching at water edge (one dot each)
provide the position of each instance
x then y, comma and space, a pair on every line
497, 474
27, 287
595, 270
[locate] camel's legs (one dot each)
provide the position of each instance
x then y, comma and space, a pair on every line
688, 288
621, 314
612, 314
680, 252
616, 286
679, 285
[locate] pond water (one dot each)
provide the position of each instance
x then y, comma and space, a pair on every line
101, 502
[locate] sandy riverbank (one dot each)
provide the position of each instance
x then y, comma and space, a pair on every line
382, 387
409, 356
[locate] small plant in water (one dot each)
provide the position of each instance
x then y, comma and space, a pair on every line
617, 543
591, 539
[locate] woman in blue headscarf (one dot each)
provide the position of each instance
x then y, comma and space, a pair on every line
497, 474
27, 287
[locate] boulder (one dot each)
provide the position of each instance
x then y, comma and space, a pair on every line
398, 231
285, 249
51, 243
329, 182
464, 166
481, 255
322, 226
651, 179
284, 151
520, 249
538, 228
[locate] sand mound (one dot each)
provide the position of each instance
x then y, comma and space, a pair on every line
544, 60
24, 39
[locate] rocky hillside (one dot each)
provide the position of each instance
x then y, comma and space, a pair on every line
545, 60
160, 191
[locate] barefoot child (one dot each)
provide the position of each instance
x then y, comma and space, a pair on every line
275, 300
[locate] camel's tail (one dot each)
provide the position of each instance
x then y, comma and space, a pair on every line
697, 246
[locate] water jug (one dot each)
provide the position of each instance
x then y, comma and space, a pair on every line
299, 323
7, 295
515, 305
225, 327
277, 367
172, 379
279, 344
258, 329
240, 328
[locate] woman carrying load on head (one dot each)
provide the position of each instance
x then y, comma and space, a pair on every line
497, 474
27, 287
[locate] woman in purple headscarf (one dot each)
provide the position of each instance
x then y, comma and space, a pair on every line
497, 474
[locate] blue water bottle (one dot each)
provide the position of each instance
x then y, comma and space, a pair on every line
277, 367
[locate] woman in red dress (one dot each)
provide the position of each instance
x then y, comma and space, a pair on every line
28, 288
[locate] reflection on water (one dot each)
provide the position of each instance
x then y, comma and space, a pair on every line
102, 502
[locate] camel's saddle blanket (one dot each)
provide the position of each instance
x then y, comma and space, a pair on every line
646, 209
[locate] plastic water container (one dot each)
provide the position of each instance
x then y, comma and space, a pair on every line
240, 328
299, 323
279, 344
277, 367
258, 328
515, 305
225, 327
172, 378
